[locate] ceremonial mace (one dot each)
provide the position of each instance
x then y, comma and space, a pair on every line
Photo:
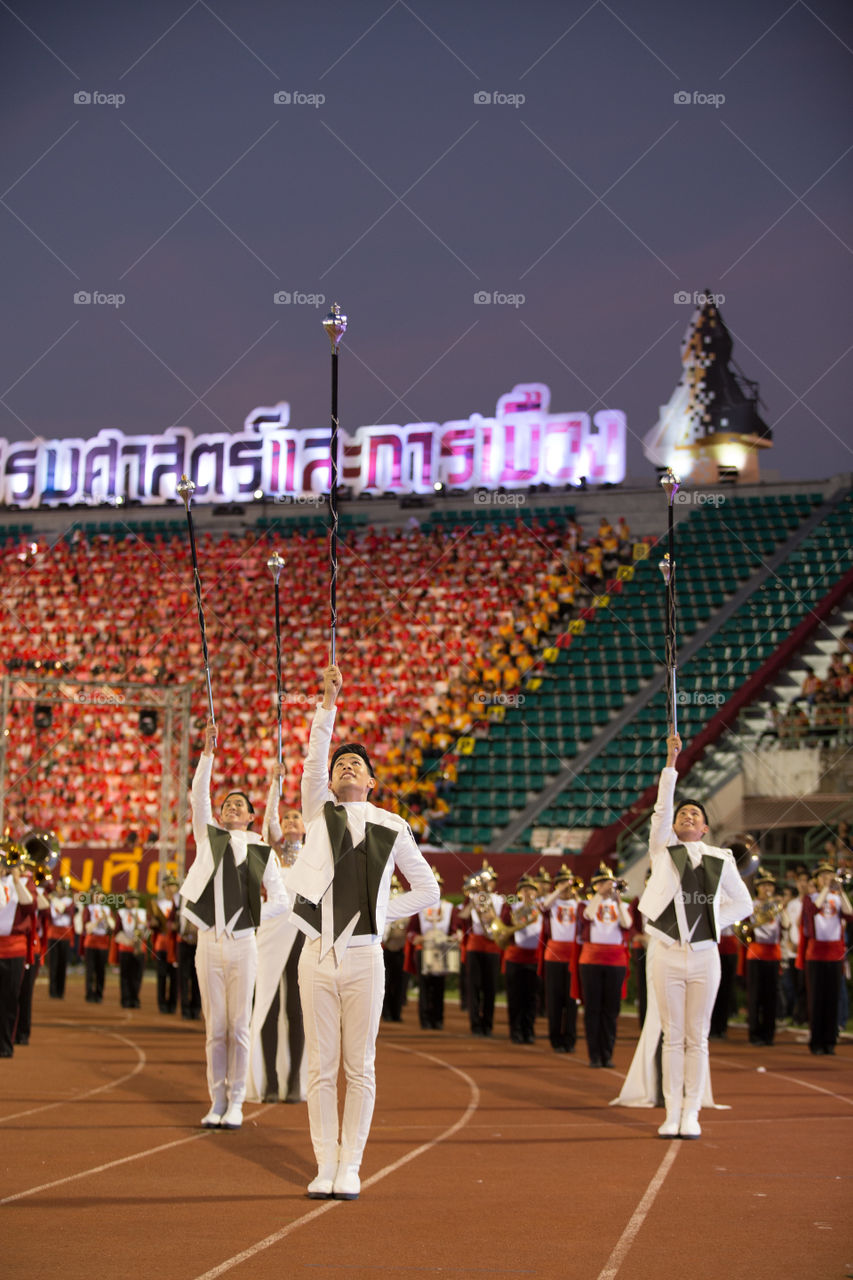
186, 488
335, 325
669, 484
275, 564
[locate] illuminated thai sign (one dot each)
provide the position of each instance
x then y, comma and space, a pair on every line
522, 445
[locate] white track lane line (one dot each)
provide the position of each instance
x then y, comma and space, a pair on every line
771, 1071
617, 1257
89, 1093
473, 1103
102, 1168
638, 1217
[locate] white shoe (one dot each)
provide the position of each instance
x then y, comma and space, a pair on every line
690, 1127
347, 1185
213, 1119
669, 1128
233, 1118
321, 1187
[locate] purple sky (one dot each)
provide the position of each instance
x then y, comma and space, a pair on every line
598, 199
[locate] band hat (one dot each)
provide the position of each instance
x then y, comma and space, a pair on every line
543, 875
527, 882
351, 749
437, 874
171, 879
824, 866
764, 877
603, 873
563, 875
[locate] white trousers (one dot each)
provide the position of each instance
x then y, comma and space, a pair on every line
685, 984
226, 970
341, 1009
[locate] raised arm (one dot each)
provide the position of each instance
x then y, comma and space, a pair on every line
271, 832
315, 773
661, 825
200, 794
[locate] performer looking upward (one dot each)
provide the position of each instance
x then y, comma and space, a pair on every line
221, 896
341, 884
693, 892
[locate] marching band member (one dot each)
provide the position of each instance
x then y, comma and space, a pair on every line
763, 957
482, 954
188, 989
98, 924
277, 1036
520, 961
341, 882
165, 921
31, 969
602, 927
60, 936
822, 947
130, 948
393, 958
17, 911
438, 920
559, 924
790, 977
694, 891
221, 896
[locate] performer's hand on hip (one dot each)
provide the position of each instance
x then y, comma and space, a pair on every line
673, 746
332, 681
209, 738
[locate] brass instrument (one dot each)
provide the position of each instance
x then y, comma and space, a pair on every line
11, 853
502, 934
744, 931
40, 855
767, 910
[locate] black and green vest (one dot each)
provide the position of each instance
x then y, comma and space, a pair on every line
358, 873
698, 886
241, 886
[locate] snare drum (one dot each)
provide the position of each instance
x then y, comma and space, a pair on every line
440, 954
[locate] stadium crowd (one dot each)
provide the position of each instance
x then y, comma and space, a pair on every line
454, 625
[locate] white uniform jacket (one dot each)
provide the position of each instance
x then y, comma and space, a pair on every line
313, 871
731, 899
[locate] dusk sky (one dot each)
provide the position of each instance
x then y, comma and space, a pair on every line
660, 148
